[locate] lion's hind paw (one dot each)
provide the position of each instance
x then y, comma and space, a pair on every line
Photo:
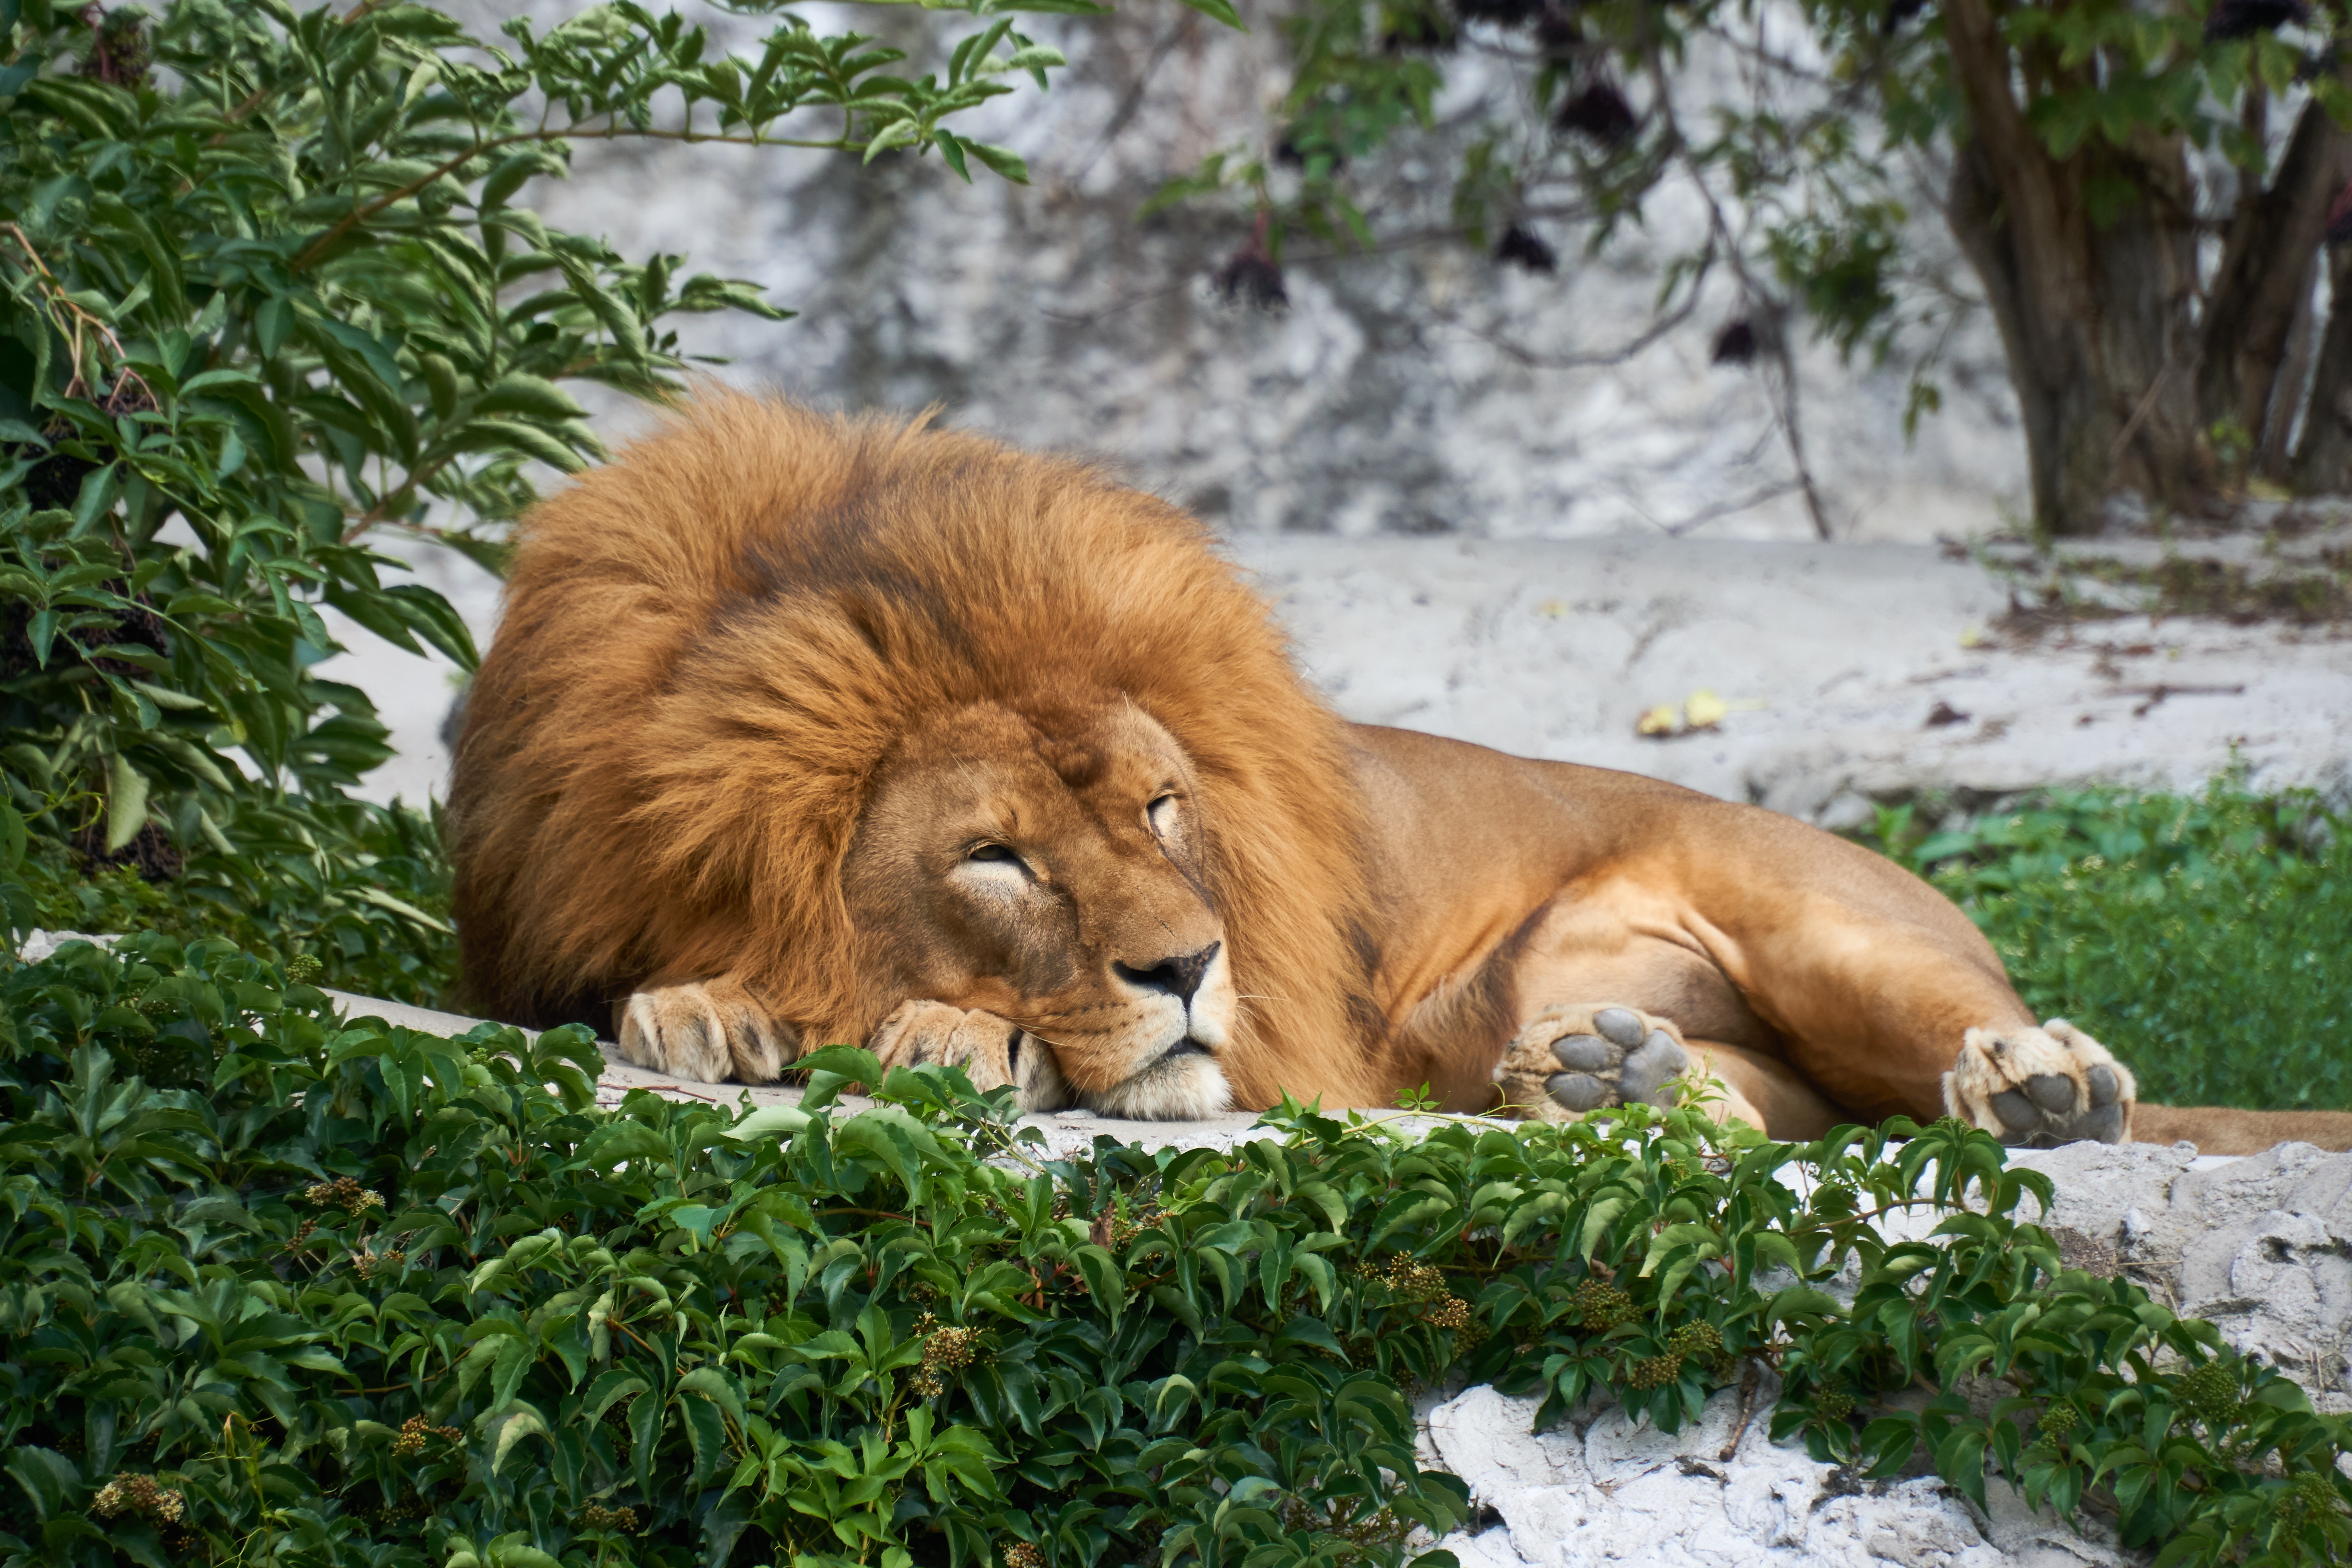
2041, 1088
708, 1032
1572, 1058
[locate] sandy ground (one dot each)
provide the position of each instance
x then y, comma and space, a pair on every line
1850, 672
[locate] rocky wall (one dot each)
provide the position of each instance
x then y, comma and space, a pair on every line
1417, 387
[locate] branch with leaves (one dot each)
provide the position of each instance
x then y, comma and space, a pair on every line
270, 292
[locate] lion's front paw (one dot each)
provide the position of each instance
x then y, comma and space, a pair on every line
708, 1032
1574, 1058
2041, 1088
991, 1051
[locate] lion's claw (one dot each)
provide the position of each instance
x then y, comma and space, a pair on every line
708, 1032
991, 1051
2041, 1088
1571, 1059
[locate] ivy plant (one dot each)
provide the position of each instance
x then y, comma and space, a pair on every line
278, 1284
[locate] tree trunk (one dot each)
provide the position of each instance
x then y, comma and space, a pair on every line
2264, 284
2322, 459
2095, 309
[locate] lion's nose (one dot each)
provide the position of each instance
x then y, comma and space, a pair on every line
1179, 977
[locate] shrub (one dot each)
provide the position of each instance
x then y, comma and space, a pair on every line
270, 296
280, 1286
2207, 939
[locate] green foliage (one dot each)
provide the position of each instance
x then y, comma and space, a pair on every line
280, 1286
270, 295
371, 910
2206, 939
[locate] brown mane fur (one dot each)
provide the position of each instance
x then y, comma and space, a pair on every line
707, 650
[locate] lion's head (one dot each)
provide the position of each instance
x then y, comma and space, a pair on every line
1049, 867
859, 712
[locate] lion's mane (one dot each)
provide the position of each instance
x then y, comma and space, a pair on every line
708, 646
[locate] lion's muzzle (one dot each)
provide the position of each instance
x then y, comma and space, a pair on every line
1183, 1017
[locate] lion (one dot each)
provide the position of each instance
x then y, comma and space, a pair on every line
801, 729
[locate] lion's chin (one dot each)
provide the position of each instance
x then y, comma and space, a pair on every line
1182, 1086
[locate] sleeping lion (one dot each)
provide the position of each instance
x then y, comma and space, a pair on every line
800, 730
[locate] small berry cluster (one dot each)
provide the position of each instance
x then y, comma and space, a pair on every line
1601, 1306
367, 1265
342, 1193
2209, 1394
597, 1517
1022, 1554
2311, 1495
1655, 1372
1701, 1342
139, 1495
1406, 1279
415, 1432
946, 1351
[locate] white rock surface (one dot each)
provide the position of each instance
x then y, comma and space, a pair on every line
1719, 1493
2261, 1246
1832, 656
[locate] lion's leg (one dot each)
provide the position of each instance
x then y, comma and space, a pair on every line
709, 1032
1881, 992
1759, 1089
991, 1051
1867, 993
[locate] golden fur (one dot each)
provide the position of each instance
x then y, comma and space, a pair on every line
709, 647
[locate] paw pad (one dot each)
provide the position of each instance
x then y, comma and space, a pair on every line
2041, 1088
1589, 1058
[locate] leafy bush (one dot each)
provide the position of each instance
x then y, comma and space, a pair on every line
2207, 939
269, 296
279, 1285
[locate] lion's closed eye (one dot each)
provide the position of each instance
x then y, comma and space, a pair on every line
998, 863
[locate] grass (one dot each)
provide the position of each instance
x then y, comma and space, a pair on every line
2206, 940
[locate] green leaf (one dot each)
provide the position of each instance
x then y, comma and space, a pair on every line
1220, 11
505, 1430
516, 393
126, 802
770, 1122
1003, 160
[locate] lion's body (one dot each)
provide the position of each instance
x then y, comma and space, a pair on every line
799, 729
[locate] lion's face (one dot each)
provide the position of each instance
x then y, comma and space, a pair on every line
1048, 869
